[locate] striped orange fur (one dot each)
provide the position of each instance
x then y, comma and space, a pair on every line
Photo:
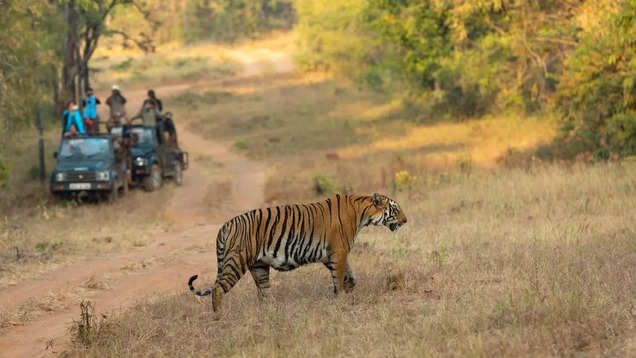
288, 236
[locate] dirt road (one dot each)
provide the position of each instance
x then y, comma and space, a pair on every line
117, 281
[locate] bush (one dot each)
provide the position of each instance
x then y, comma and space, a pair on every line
4, 174
402, 180
228, 21
454, 58
87, 330
240, 144
597, 92
323, 184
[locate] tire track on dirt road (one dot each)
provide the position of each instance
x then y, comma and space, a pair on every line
172, 256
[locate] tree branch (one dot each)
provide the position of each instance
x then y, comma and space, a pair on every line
145, 45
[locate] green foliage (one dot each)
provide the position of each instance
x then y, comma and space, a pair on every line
41, 247
332, 36
402, 180
597, 91
28, 61
4, 174
323, 184
230, 20
457, 57
465, 58
240, 144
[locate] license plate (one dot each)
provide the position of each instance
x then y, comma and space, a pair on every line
79, 186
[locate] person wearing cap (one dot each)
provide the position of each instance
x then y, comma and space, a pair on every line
117, 104
72, 117
90, 110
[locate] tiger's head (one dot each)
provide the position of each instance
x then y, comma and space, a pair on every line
388, 214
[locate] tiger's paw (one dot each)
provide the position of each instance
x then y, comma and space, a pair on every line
348, 285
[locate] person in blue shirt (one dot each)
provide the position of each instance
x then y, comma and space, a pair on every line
72, 116
90, 110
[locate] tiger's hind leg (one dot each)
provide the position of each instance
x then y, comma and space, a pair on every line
232, 270
260, 273
217, 297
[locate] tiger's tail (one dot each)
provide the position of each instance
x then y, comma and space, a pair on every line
195, 291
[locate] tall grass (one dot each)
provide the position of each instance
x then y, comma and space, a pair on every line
508, 262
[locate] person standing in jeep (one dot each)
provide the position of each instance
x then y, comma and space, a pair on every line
90, 111
153, 101
117, 104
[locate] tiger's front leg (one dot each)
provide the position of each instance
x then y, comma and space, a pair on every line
349, 279
341, 274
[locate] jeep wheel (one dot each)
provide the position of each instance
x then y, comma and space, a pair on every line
178, 174
153, 181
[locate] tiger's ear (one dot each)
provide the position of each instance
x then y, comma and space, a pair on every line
377, 199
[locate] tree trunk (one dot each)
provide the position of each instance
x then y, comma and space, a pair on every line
86, 75
70, 69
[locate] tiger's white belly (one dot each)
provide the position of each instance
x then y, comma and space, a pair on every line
279, 262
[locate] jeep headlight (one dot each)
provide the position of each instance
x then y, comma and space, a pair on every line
141, 161
103, 176
60, 177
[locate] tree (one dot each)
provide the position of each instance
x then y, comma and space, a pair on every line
597, 91
86, 23
28, 61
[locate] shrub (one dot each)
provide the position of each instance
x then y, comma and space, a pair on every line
402, 180
323, 184
465, 163
4, 174
240, 144
597, 91
88, 328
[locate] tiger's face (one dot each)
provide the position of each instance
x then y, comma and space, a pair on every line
389, 213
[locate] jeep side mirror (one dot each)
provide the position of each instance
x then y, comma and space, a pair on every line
55, 155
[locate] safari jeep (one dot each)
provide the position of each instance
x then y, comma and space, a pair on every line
88, 164
153, 157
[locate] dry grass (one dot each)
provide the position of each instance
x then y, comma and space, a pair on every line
167, 65
530, 261
284, 116
174, 63
501, 263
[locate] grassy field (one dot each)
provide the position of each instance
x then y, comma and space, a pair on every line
503, 255
313, 125
298, 114
506, 262
168, 65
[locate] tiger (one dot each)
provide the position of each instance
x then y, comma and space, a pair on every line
288, 236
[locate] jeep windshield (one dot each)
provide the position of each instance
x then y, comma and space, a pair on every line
78, 149
146, 136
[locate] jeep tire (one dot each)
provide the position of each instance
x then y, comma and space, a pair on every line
152, 182
178, 174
